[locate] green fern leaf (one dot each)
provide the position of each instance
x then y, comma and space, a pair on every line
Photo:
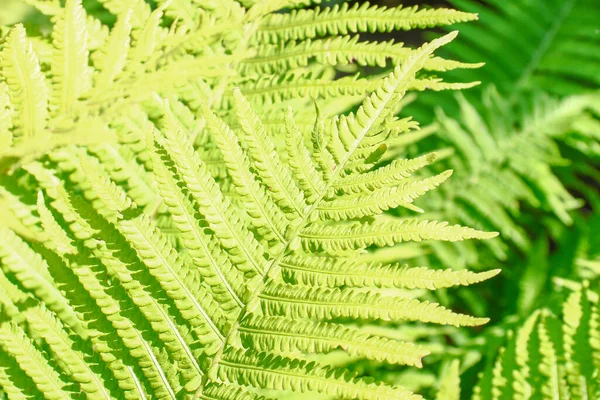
270, 221
276, 176
284, 335
226, 283
78, 368
380, 200
16, 343
450, 383
110, 59
301, 376
247, 252
31, 271
540, 52
325, 271
336, 238
318, 303
71, 75
566, 348
308, 24
26, 86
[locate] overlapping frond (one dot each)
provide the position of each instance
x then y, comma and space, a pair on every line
266, 273
558, 53
16, 344
554, 355
265, 369
450, 382
285, 335
513, 158
197, 52
329, 272
26, 86
339, 50
344, 19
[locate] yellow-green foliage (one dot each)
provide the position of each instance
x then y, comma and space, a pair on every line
527, 138
69, 86
506, 159
98, 300
550, 356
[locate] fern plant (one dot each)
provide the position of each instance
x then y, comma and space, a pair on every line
552, 355
520, 96
546, 180
68, 87
511, 161
104, 305
538, 189
555, 54
192, 53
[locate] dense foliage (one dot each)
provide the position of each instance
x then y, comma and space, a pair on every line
230, 199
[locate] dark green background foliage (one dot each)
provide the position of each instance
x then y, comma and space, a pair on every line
241, 200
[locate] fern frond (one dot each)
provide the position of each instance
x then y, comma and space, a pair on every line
340, 50
580, 368
380, 200
18, 345
553, 385
70, 71
226, 283
26, 86
11, 296
110, 59
550, 357
450, 383
273, 89
78, 368
61, 242
345, 19
209, 48
556, 54
31, 271
94, 282
319, 303
300, 161
11, 388
285, 335
274, 174
300, 376
236, 304
268, 218
325, 271
335, 238
513, 163
163, 262
384, 176
247, 253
